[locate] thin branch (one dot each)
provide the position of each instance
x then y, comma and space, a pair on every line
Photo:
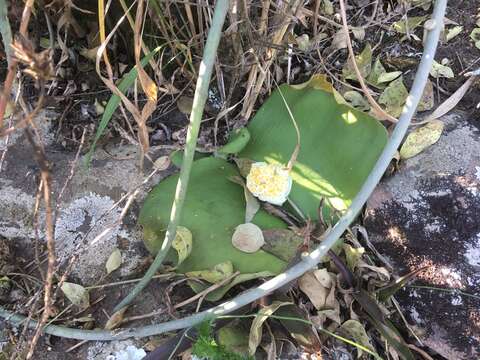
199, 100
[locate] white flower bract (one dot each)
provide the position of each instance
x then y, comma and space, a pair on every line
269, 182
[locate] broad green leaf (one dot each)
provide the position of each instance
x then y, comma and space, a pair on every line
438, 71
217, 294
475, 36
77, 294
114, 102
338, 145
182, 243
237, 142
410, 24
114, 261
176, 157
421, 138
215, 206
357, 331
364, 63
256, 329
218, 273
248, 238
394, 97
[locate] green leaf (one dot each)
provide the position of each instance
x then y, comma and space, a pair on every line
394, 97
388, 291
182, 243
388, 76
114, 102
421, 138
356, 330
475, 36
237, 142
215, 206
234, 337
364, 63
382, 324
377, 70
77, 294
256, 329
410, 23
452, 32
438, 71
338, 145
176, 157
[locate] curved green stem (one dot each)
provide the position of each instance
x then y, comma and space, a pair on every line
199, 100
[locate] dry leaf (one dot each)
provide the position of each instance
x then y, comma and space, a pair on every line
452, 32
251, 205
356, 330
394, 97
410, 24
182, 243
353, 255
421, 138
364, 63
116, 319
218, 273
438, 71
356, 100
255, 336
475, 36
184, 104
317, 293
162, 163
453, 100
114, 261
77, 294
248, 238
427, 100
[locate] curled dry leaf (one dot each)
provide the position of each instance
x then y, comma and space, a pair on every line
316, 292
218, 273
248, 238
114, 261
255, 336
182, 243
77, 294
162, 163
116, 319
421, 138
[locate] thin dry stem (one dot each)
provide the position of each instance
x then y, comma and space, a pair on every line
379, 112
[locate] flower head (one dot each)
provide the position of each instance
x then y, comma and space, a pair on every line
269, 182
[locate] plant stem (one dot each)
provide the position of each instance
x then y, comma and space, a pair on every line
199, 100
5, 30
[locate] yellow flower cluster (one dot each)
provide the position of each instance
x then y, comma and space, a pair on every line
269, 182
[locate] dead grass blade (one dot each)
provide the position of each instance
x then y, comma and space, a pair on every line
147, 84
379, 112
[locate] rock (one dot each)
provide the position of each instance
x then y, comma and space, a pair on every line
87, 208
427, 214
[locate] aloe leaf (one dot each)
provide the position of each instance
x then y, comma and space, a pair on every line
338, 144
214, 207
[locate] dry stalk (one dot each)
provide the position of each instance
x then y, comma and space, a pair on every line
379, 112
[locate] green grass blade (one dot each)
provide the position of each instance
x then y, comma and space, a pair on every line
114, 102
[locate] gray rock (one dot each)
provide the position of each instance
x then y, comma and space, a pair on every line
427, 215
87, 208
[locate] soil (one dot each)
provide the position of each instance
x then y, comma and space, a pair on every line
441, 229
